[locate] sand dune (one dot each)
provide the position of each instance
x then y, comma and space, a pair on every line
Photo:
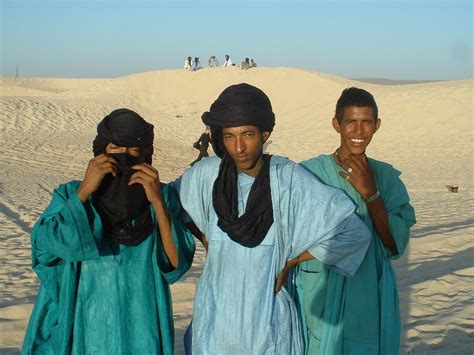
47, 126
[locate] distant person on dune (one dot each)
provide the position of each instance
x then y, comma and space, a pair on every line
253, 64
196, 64
359, 314
245, 64
188, 65
106, 250
202, 144
228, 61
213, 62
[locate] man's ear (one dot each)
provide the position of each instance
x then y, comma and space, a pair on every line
378, 122
335, 124
266, 135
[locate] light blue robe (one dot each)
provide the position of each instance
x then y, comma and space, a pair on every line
235, 308
357, 315
96, 296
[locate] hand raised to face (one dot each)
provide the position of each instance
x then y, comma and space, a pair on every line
97, 168
147, 176
359, 173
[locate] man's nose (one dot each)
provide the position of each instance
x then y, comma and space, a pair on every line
121, 150
360, 127
239, 145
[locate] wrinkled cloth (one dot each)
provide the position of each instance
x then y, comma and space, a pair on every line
360, 314
97, 296
124, 209
124, 128
252, 226
235, 308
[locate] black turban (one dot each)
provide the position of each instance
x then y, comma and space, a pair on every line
238, 105
241, 105
124, 128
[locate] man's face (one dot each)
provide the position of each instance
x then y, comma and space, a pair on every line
245, 144
115, 149
356, 129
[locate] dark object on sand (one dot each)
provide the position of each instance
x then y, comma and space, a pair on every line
202, 144
454, 187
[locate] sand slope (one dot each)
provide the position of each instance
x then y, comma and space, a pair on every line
47, 126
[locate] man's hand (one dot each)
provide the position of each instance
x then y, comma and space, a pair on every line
281, 279
282, 276
148, 177
97, 168
359, 174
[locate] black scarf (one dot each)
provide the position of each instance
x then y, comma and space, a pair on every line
251, 228
124, 210
119, 204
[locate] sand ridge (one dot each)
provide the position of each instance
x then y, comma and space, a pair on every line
47, 126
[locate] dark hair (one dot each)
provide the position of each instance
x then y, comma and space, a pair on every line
355, 97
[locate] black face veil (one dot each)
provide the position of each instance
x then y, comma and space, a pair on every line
241, 105
124, 210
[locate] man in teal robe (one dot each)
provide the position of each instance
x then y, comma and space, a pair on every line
106, 250
359, 314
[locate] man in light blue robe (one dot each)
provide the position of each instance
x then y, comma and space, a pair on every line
358, 315
257, 212
105, 251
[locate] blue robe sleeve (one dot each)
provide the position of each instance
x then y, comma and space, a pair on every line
344, 248
65, 230
195, 190
62, 237
182, 238
401, 215
323, 221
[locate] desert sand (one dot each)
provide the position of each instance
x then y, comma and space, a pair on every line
47, 126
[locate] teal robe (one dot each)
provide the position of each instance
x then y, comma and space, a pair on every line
97, 296
359, 314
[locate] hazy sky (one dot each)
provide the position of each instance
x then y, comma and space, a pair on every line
405, 39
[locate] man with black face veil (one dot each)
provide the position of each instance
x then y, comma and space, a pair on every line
106, 250
260, 214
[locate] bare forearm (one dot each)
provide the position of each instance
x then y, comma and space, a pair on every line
305, 256
281, 278
379, 215
164, 227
